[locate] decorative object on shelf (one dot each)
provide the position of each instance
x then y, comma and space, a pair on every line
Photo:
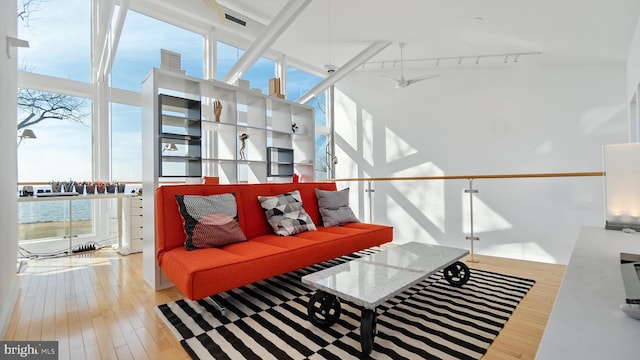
79, 186
169, 147
171, 61
100, 187
275, 88
56, 186
67, 185
243, 137
90, 187
111, 187
121, 187
294, 128
217, 109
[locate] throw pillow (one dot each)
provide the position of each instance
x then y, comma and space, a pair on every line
210, 221
286, 214
334, 207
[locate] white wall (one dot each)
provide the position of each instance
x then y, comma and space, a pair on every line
8, 180
633, 84
476, 120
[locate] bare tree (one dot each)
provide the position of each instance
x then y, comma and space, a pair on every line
26, 8
40, 105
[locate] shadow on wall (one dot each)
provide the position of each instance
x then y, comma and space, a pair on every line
539, 220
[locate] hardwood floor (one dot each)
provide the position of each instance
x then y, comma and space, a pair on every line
98, 307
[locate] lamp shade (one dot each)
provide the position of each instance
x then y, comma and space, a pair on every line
170, 147
622, 186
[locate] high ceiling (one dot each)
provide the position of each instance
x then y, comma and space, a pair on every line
565, 31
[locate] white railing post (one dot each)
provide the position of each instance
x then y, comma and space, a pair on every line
370, 192
471, 236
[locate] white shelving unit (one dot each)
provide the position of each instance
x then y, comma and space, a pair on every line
268, 121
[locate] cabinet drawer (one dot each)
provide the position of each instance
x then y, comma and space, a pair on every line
136, 221
136, 232
135, 211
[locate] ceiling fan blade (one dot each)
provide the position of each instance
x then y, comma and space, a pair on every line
391, 78
420, 78
213, 4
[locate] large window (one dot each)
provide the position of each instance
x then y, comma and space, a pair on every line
126, 143
139, 50
61, 151
62, 147
258, 75
298, 83
70, 145
59, 35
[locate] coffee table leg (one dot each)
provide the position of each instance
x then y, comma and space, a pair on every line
323, 309
367, 330
457, 274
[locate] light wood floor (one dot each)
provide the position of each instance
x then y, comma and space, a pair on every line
98, 307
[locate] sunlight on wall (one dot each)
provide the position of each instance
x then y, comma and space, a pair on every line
367, 137
485, 219
397, 148
409, 222
346, 123
595, 120
544, 148
423, 201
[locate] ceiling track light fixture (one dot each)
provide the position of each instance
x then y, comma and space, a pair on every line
510, 57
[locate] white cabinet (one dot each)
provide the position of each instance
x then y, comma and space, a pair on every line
132, 224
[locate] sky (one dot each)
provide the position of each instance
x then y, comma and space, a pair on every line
62, 48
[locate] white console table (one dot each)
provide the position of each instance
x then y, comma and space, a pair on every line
586, 322
70, 198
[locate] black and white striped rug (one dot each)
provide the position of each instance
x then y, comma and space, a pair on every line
268, 320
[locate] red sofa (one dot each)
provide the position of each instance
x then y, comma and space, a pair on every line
204, 272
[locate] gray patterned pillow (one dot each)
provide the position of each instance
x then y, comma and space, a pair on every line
210, 221
285, 213
334, 207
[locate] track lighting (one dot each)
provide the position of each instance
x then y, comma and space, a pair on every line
514, 57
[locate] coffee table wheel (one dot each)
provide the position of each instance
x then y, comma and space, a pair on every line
367, 330
457, 274
323, 309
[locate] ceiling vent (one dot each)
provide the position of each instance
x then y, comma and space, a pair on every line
235, 19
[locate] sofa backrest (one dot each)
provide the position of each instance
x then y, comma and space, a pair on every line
169, 227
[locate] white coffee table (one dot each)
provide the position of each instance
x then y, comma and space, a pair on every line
373, 279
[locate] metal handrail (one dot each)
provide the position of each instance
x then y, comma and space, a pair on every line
469, 191
466, 177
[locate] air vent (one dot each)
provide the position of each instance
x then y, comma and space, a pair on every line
235, 19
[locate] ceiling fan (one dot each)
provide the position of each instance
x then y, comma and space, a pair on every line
402, 82
213, 4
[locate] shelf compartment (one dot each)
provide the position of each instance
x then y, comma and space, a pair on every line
219, 141
279, 162
255, 145
180, 166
